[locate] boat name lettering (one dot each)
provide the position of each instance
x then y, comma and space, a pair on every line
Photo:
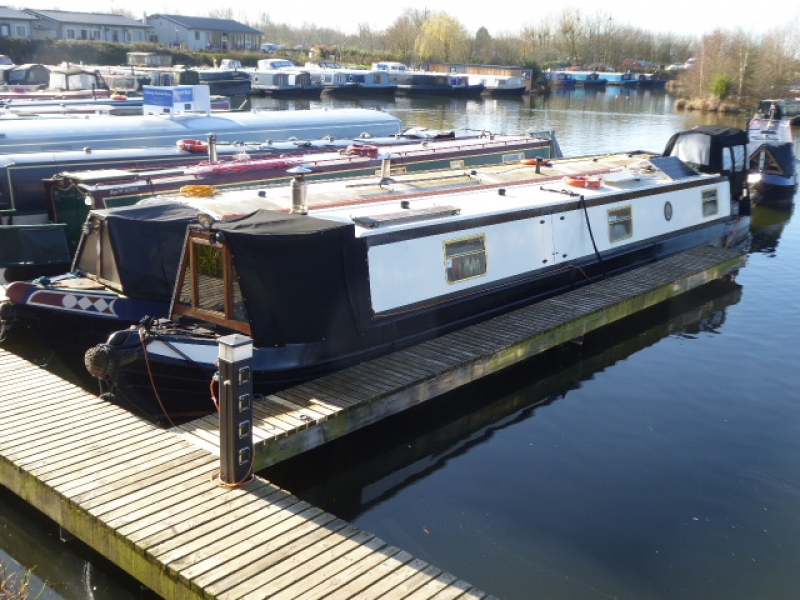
124, 190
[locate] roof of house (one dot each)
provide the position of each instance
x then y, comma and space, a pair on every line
64, 16
206, 23
15, 15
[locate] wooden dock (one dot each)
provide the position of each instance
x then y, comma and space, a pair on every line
309, 415
145, 497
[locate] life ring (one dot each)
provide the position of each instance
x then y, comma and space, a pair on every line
118, 97
532, 161
362, 150
584, 181
193, 145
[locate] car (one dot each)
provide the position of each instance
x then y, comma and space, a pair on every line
269, 48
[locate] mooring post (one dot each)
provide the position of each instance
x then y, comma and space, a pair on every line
236, 408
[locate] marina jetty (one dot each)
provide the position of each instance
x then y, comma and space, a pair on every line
150, 499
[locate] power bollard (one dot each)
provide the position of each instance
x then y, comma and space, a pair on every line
236, 408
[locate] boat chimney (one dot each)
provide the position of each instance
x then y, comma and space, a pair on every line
299, 187
386, 167
212, 148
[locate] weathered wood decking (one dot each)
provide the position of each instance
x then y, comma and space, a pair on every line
309, 415
144, 497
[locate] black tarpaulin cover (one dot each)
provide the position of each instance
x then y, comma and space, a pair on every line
303, 279
783, 155
147, 240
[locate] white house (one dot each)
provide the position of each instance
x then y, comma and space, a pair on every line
64, 25
15, 23
202, 33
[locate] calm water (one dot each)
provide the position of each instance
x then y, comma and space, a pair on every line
659, 460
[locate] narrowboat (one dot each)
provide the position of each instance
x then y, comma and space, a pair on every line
71, 194
352, 270
773, 175
119, 232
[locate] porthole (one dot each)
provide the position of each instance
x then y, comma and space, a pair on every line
668, 210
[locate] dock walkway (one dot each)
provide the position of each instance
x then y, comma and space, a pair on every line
145, 497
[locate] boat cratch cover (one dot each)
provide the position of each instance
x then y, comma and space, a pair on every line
302, 279
714, 149
146, 242
703, 146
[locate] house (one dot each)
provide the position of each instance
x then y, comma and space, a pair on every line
202, 33
66, 25
15, 23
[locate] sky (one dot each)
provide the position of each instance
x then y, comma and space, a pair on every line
688, 17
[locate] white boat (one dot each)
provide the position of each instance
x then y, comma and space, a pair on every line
281, 78
411, 82
339, 80
63, 82
503, 85
340, 272
79, 132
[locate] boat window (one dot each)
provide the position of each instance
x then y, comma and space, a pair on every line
210, 276
710, 202
620, 224
739, 158
465, 258
513, 158
209, 286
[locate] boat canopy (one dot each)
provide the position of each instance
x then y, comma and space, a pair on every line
778, 159
145, 242
303, 279
702, 147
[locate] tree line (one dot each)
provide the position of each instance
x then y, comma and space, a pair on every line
737, 65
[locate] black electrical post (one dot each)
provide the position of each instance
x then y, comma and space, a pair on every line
236, 408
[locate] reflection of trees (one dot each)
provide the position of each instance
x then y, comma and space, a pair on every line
348, 476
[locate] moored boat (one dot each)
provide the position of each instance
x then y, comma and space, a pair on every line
281, 78
341, 81
773, 175
119, 232
64, 82
71, 194
350, 273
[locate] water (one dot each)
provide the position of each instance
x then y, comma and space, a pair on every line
656, 461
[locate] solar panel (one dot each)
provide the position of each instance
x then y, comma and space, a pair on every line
673, 167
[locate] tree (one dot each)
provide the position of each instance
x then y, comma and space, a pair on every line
443, 38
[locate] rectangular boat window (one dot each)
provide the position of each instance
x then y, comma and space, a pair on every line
457, 164
620, 224
465, 258
513, 158
710, 202
210, 278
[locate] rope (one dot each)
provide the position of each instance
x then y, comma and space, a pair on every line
198, 191
150, 374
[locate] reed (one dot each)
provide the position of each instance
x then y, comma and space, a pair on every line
17, 585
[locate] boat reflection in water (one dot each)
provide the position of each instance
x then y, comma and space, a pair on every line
766, 226
351, 475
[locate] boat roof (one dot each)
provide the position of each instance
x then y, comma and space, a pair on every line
379, 205
75, 132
